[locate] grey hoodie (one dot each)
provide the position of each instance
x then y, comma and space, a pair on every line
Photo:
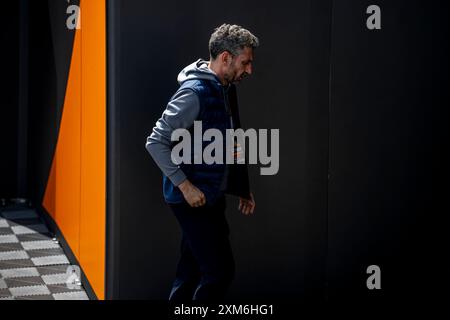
181, 112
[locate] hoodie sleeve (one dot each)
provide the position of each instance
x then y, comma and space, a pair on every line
181, 112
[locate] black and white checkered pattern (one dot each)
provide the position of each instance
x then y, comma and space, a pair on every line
33, 266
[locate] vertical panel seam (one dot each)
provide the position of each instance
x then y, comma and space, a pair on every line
330, 30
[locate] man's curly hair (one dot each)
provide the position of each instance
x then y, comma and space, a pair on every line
231, 38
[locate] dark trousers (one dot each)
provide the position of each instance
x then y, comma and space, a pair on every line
206, 266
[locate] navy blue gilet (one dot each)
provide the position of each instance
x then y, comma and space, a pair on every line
213, 114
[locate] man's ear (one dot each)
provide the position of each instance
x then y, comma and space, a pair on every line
225, 57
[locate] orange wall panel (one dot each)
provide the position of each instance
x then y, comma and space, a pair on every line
75, 195
93, 143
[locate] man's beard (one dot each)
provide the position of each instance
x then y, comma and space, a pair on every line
236, 78
232, 77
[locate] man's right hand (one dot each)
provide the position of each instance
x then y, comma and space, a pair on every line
192, 194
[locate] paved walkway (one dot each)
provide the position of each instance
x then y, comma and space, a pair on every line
32, 265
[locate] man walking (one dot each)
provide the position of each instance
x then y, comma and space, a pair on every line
196, 191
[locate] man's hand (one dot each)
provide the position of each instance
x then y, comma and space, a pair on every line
247, 206
192, 194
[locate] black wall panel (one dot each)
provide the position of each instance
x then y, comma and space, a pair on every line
280, 252
385, 86
36, 61
10, 98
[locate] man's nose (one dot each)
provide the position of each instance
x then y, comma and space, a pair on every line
248, 70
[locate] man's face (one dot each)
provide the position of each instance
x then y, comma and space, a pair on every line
240, 66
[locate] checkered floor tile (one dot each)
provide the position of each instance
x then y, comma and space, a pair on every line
32, 265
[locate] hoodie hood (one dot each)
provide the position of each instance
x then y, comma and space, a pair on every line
197, 70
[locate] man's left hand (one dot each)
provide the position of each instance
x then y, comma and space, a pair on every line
247, 206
